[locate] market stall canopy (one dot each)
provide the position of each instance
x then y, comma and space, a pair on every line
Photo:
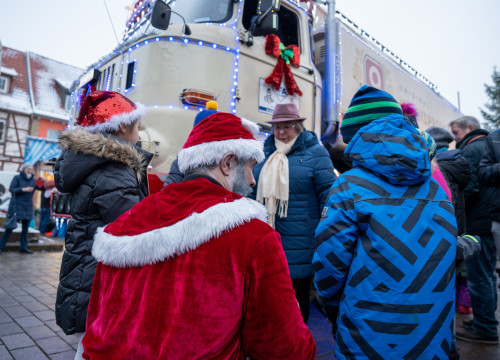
40, 149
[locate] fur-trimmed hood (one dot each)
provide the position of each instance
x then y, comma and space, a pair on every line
175, 221
105, 146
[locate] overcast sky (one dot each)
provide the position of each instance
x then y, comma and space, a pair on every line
453, 43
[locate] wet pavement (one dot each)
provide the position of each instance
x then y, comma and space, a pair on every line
28, 329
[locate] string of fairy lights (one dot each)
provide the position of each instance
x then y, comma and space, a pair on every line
142, 12
139, 19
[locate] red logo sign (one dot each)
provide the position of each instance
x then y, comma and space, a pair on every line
374, 74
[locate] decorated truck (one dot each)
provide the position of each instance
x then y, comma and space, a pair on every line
249, 55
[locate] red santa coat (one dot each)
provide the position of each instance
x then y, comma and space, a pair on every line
193, 272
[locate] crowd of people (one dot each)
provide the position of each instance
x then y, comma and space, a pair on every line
224, 261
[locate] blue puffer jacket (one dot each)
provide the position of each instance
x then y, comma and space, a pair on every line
22, 200
310, 177
386, 248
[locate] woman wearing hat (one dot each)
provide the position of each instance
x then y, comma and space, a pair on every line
105, 174
293, 182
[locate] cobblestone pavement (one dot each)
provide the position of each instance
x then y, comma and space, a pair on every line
28, 330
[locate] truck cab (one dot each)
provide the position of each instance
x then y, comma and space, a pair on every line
208, 51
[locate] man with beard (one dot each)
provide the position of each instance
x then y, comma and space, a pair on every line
194, 271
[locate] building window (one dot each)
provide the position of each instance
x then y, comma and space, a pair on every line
4, 84
3, 130
67, 101
288, 30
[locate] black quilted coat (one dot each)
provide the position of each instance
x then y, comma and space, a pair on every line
104, 176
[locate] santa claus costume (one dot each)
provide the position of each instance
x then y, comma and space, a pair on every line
195, 272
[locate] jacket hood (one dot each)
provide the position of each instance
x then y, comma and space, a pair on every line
24, 176
391, 148
97, 149
448, 155
305, 140
180, 218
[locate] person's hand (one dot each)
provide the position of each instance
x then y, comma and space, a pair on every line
27, 189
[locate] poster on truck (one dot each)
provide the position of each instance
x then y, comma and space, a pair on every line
269, 97
363, 62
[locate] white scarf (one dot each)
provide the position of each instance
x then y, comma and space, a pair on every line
273, 187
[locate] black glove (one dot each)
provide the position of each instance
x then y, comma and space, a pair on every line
468, 247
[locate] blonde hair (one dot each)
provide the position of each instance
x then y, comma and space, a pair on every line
299, 125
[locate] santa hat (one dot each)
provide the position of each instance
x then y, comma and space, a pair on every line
105, 111
217, 135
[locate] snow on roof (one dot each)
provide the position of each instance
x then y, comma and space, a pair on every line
8, 71
50, 83
45, 73
18, 99
65, 83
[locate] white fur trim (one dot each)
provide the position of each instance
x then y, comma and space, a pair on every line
212, 152
251, 126
113, 124
163, 243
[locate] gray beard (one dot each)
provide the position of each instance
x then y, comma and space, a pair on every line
240, 186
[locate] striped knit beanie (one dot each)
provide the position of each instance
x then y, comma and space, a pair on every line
368, 104
429, 143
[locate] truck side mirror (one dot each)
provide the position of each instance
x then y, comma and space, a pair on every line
160, 17
266, 21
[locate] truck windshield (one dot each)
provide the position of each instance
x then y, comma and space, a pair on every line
200, 11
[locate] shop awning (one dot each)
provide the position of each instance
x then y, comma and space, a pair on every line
40, 149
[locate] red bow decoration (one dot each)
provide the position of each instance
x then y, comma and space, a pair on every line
286, 56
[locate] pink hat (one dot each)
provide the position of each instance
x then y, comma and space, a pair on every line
105, 111
286, 112
217, 135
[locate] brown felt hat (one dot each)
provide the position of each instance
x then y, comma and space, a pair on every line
286, 112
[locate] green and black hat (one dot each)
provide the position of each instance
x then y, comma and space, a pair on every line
367, 104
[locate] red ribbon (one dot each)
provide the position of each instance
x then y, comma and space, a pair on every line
282, 68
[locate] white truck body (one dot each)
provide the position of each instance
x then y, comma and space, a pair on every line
220, 59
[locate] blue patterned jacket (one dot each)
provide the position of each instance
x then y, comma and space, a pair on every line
386, 246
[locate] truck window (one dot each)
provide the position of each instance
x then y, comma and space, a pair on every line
130, 75
288, 22
201, 11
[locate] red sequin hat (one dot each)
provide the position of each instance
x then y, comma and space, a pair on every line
217, 135
105, 111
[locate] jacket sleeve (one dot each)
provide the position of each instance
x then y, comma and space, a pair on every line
489, 167
473, 158
324, 177
336, 238
15, 186
115, 193
174, 174
273, 326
